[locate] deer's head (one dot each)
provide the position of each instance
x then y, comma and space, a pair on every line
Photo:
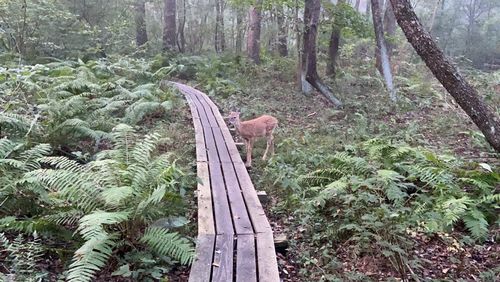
233, 117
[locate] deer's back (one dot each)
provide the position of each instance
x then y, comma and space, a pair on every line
258, 127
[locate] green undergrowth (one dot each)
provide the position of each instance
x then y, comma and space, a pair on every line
92, 172
376, 199
344, 197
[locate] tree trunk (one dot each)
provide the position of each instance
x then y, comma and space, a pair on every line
389, 30
433, 17
333, 50
389, 27
367, 11
141, 35
169, 29
239, 30
333, 46
253, 38
311, 19
182, 24
356, 6
382, 49
282, 32
465, 95
301, 81
220, 41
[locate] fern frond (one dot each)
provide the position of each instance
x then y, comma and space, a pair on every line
165, 243
91, 225
138, 110
155, 197
8, 146
476, 223
31, 157
14, 123
65, 218
91, 257
454, 209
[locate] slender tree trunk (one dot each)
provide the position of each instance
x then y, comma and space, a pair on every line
253, 38
304, 86
444, 70
367, 11
356, 6
333, 50
219, 26
389, 27
334, 45
382, 49
169, 28
433, 17
311, 18
182, 23
141, 35
282, 32
239, 30
390, 31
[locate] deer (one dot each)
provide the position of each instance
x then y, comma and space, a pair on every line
250, 130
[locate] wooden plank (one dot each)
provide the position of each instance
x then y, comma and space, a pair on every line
201, 269
223, 222
257, 214
207, 108
221, 146
201, 153
210, 146
231, 146
241, 219
233, 151
206, 223
222, 267
266, 258
246, 268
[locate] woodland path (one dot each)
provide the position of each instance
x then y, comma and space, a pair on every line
235, 239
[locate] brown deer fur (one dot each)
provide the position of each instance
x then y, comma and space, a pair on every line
250, 130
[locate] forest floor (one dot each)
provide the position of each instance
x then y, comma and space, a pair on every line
427, 118
424, 116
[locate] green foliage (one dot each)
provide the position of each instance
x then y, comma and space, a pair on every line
23, 256
377, 195
119, 194
70, 102
44, 28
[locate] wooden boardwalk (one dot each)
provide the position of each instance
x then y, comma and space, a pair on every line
235, 239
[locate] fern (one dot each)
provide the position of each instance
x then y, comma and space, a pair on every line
168, 244
14, 124
91, 257
476, 223
24, 256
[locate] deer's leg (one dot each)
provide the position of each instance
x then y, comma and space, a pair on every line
249, 144
270, 145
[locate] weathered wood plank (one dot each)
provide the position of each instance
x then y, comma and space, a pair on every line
201, 153
241, 219
207, 108
206, 223
221, 146
201, 269
257, 214
223, 222
231, 146
266, 258
210, 145
246, 268
222, 267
